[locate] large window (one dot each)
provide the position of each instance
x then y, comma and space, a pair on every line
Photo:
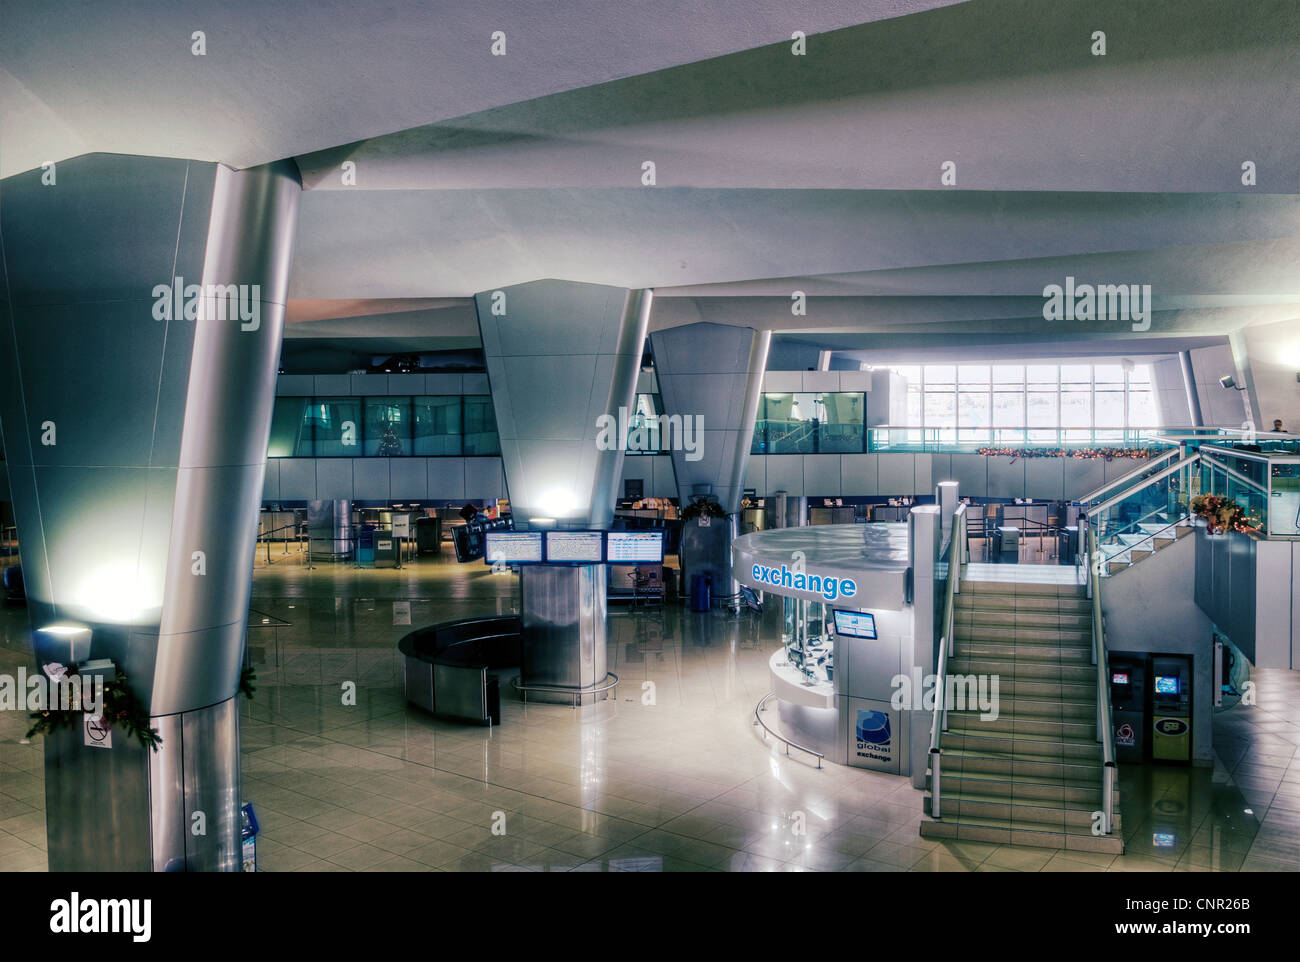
810, 423
1035, 403
354, 427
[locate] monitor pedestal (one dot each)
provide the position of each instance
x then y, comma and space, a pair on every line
562, 610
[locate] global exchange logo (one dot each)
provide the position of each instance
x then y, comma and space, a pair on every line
873, 727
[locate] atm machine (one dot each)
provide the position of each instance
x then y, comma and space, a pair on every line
1171, 708
1128, 706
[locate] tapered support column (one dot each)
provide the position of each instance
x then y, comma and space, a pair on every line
141, 320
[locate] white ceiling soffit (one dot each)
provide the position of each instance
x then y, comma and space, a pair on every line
456, 243
295, 76
1009, 91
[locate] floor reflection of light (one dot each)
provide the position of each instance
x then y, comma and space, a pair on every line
589, 762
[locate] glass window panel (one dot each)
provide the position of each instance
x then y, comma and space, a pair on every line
1076, 409
841, 430
1042, 376
940, 410
1140, 375
290, 428
388, 427
437, 427
973, 409
336, 427
1075, 376
1109, 411
480, 424
1142, 411
1041, 410
971, 377
1008, 374
1108, 374
1008, 409
940, 377
789, 427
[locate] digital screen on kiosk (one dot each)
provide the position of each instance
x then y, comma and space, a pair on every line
1119, 678
855, 624
1166, 685
512, 547
575, 547
631, 547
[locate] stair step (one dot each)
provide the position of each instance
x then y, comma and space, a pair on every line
1034, 835
1008, 633
1073, 814
1030, 708
993, 664
1020, 763
997, 617
984, 601
1030, 788
1023, 745
1019, 589
1021, 651
1051, 690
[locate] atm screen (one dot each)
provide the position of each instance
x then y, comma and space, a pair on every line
1166, 685
1119, 678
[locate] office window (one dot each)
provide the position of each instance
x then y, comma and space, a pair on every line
839, 430
437, 426
290, 428
336, 427
480, 421
388, 427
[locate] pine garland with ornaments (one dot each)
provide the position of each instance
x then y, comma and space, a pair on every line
1079, 454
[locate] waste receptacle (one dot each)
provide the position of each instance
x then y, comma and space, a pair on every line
428, 535
701, 592
1067, 546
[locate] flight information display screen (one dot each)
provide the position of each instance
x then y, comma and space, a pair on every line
575, 547
855, 624
634, 547
512, 547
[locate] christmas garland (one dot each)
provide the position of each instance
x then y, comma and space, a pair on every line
121, 707
1223, 514
1081, 454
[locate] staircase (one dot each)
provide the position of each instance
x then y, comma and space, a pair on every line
1129, 548
1032, 776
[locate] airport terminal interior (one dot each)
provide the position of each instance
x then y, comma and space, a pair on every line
730, 437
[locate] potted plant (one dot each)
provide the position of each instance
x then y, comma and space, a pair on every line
1223, 514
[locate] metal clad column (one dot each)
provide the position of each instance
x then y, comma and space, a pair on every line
136, 403
561, 357
713, 375
563, 360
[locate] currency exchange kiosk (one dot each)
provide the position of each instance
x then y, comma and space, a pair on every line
1171, 708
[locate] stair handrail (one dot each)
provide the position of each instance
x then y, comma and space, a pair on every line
1150, 536
1105, 727
1160, 476
1211, 457
939, 721
1092, 496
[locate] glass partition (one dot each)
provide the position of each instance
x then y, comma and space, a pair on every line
352, 427
806, 639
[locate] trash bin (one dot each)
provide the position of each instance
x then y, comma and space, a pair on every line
701, 592
428, 535
1067, 546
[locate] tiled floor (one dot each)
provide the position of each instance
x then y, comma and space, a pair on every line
672, 775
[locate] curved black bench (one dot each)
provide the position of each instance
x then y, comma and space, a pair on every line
448, 666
